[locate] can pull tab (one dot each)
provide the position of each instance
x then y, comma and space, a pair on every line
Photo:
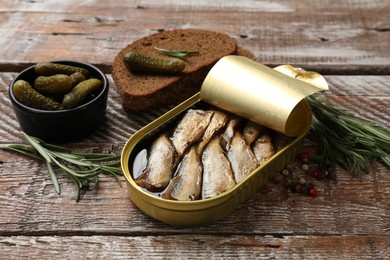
270, 97
311, 77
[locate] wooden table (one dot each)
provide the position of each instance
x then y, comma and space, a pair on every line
347, 41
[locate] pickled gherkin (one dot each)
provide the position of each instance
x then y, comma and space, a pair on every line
28, 96
76, 78
80, 92
49, 69
56, 84
146, 63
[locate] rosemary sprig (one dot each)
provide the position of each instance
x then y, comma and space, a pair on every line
177, 53
82, 168
345, 139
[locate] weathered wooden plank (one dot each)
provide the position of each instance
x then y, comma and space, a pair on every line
343, 206
349, 218
351, 36
367, 96
346, 206
196, 247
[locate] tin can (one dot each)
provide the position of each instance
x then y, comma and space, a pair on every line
203, 211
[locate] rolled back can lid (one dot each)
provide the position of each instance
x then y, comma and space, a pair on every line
260, 93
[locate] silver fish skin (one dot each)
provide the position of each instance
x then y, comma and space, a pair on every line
218, 175
263, 148
190, 129
218, 121
241, 157
160, 166
251, 131
228, 134
187, 183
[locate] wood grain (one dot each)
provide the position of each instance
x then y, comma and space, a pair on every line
346, 41
198, 247
328, 37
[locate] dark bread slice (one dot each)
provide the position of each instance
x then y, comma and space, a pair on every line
145, 91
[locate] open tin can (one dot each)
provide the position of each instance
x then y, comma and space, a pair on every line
235, 84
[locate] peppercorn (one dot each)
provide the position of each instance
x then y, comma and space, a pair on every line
285, 172
304, 155
312, 192
293, 187
302, 181
315, 173
304, 190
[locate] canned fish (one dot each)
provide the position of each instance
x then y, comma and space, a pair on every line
170, 164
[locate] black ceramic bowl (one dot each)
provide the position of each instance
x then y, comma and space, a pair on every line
62, 125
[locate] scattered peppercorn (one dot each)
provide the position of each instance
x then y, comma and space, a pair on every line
285, 172
304, 190
314, 173
298, 188
300, 185
312, 192
293, 187
304, 155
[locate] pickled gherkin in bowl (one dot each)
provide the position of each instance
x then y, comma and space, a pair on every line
57, 86
59, 101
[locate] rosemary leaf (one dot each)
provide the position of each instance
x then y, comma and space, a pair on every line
78, 187
21, 148
99, 157
39, 148
82, 168
74, 173
346, 139
89, 171
115, 175
71, 159
51, 147
177, 53
53, 177
95, 182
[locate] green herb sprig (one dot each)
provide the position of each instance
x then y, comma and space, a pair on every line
345, 139
82, 168
177, 53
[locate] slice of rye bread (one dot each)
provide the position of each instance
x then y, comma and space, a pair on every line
142, 92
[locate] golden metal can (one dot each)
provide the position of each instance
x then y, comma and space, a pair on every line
259, 93
232, 93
